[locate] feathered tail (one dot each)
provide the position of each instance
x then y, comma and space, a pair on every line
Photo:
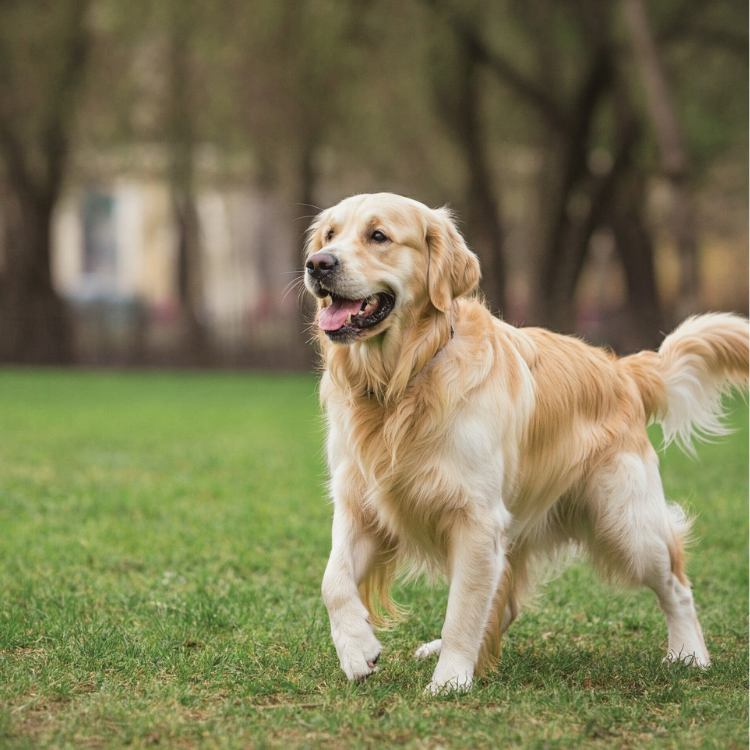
682, 384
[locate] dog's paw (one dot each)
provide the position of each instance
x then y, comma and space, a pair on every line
359, 663
428, 649
700, 660
451, 676
460, 684
358, 652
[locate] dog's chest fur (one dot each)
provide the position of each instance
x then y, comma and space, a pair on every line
411, 466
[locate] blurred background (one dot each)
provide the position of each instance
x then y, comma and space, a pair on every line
160, 163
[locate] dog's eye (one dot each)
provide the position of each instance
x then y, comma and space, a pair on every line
329, 236
378, 236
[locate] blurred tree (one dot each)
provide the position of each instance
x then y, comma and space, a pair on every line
568, 78
43, 55
181, 111
296, 81
307, 101
456, 68
626, 217
672, 50
565, 65
176, 99
310, 41
674, 158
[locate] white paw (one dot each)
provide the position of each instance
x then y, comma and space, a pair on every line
452, 675
461, 684
700, 660
428, 649
358, 651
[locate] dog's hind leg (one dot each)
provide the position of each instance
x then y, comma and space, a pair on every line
510, 613
429, 649
636, 537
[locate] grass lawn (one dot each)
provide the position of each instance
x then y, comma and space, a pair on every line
162, 542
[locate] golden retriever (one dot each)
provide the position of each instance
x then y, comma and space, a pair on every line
461, 445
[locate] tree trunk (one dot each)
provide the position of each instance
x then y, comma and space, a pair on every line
484, 227
195, 341
567, 237
632, 239
459, 105
602, 191
35, 325
674, 158
636, 252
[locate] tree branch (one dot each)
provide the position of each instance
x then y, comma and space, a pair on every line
55, 134
526, 88
724, 39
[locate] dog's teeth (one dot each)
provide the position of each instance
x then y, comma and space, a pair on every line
349, 318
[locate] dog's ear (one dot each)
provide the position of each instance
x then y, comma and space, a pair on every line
452, 268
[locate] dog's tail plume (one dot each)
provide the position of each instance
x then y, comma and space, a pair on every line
682, 384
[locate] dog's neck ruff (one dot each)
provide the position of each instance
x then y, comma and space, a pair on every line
381, 371
370, 393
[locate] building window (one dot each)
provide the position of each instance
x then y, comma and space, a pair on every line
99, 236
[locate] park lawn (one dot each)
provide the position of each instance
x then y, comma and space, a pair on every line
162, 541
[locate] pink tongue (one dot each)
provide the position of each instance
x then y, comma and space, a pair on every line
334, 316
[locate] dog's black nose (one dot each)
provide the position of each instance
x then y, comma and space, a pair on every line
321, 264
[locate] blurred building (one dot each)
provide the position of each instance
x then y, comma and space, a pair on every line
114, 259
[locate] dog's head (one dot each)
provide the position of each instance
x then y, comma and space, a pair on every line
374, 260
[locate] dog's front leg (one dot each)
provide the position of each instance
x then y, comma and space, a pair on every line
476, 564
352, 555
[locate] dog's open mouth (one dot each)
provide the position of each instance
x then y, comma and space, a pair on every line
346, 316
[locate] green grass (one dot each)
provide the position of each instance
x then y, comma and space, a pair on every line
162, 542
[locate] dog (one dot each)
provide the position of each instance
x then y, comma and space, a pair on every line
460, 445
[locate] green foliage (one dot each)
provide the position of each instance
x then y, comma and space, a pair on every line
357, 79
162, 541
